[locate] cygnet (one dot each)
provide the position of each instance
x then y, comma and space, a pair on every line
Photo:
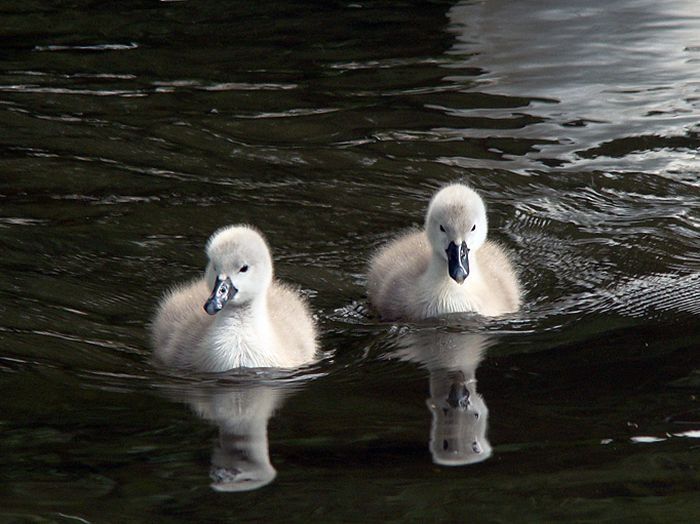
448, 267
237, 315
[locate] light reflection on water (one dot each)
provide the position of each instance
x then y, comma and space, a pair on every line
123, 149
613, 86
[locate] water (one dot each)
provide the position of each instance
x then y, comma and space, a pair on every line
129, 133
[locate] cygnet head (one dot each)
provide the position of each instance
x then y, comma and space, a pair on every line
239, 268
456, 227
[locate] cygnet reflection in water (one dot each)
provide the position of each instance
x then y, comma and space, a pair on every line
240, 459
237, 314
459, 412
447, 267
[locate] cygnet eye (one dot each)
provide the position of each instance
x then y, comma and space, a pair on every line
442, 229
473, 227
244, 268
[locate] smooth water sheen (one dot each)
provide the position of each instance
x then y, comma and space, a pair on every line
130, 131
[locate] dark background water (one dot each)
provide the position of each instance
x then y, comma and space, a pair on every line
130, 131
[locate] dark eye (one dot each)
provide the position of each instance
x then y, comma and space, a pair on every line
442, 229
473, 227
244, 268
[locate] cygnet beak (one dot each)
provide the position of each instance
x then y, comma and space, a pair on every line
457, 261
224, 290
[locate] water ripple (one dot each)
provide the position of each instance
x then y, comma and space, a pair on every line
88, 47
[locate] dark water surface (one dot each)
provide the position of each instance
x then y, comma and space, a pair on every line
130, 131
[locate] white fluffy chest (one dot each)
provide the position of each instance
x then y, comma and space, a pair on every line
447, 297
451, 302
233, 343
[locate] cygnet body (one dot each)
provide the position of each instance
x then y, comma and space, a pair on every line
448, 267
237, 315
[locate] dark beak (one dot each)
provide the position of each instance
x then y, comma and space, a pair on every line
457, 261
224, 290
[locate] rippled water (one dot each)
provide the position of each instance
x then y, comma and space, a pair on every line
129, 133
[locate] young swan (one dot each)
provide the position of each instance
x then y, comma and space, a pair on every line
248, 320
448, 267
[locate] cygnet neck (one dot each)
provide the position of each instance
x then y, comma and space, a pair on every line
255, 310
